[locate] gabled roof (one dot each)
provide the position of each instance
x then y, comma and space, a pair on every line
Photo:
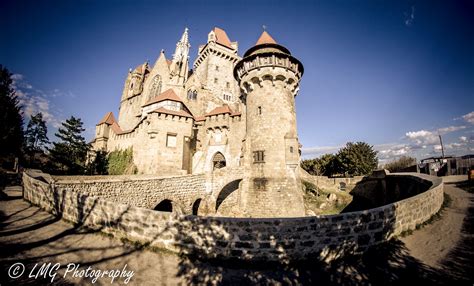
173, 112
265, 38
221, 110
141, 68
169, 94
107, 119
222, 38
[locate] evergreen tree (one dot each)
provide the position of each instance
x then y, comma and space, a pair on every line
11, 121
70, 153
358, 158
36, 137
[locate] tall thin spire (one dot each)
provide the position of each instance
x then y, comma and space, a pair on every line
182, 48
179, 67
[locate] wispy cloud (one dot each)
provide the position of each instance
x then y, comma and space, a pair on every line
410, 16
316, 151
450, 129
469, 117
34, 100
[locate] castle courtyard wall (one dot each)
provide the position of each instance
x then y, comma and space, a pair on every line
270, 239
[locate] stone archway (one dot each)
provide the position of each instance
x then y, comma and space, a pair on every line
227, 196
218, 161
164, 206
196, 205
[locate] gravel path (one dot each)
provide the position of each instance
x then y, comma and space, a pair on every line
439, 253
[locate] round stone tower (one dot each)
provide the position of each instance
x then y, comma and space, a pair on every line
268, 77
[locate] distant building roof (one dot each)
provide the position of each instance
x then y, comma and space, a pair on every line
107, 119
222, 110
222, 38
169, 94
265, 38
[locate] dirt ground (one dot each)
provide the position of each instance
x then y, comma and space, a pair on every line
439, 253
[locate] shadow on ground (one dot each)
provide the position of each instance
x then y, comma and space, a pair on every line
385, 264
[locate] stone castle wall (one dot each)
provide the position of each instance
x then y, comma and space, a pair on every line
273, 239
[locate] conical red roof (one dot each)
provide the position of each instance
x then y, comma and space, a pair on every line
265, 38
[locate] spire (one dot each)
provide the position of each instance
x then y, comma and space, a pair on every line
182, 48
179, 66
265, 38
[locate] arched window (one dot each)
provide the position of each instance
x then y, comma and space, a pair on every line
192, 94
218, 161
164, 206
155, 86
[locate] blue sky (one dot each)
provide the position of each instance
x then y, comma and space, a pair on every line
391, 73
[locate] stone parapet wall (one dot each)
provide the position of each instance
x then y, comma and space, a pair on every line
271, 239
139, 191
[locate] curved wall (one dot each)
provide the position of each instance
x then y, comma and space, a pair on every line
273, 239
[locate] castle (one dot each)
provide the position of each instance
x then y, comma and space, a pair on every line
226, 112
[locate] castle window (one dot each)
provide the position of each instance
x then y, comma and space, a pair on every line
259, 156
218, 161
192, 94
227, 97
170, 140
155, 86
260, 184
215, 80
291, 149
259, 110
227, 84
217, 68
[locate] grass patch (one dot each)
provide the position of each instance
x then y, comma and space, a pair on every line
314, 197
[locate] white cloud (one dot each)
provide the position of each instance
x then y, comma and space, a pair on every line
422, 137
463, 139
451, 129
469, 117
316, 151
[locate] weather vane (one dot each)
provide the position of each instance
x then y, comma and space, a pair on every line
264, 27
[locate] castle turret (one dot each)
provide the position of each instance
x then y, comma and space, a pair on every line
180, 67
268, 77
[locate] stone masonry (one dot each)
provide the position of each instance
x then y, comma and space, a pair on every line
226, 113
270, 239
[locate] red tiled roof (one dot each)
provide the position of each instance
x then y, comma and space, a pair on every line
265, 38
167, 95
199, 118
116, 128
220, 110
221, 38
173, 112
107, 119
